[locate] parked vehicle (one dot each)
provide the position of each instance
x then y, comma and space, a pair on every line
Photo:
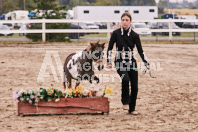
31, 15
81, 24
92, 25
141, 28
9, 25
104, 24
4, 28
2, 17
152, 25
31, 25
175, 16
190, 25
74, 35
167, 16
23, 27
114, 12
101, 25
165, 25
17, 15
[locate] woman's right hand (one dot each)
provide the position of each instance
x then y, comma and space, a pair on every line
109, 66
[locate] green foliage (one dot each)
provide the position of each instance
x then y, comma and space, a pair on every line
33, 96
142, 2
49, 10
45, 4
73, 3
7, 6
56, 37
10, 5
50, 37
51, 93
161, 5
35, 36
107, 2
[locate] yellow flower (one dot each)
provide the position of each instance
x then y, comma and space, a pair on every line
41, 97
57, 89
48, 89
52, 88
108, 90
79, 88
74, 91
70, 91
89, 93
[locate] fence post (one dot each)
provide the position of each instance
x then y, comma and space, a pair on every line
43, 30
170, 30
108, 28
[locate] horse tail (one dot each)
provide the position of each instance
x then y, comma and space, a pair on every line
64, 81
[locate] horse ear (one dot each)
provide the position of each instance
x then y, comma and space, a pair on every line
98, 41
92, 44
103, 45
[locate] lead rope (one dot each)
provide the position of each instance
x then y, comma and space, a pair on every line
109, 56
144, 71
130, 55
123, 55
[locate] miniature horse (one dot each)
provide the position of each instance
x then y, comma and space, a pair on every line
79, 66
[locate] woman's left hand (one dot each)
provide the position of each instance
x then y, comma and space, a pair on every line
148, 67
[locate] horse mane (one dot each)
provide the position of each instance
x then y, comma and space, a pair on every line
89, 47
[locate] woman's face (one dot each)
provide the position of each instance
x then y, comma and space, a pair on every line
125, 22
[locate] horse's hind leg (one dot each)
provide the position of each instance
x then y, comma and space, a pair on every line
94, 89
78, 81
97, 81
69, 82
77, 84
64, 81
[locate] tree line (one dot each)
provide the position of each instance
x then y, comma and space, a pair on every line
10, 5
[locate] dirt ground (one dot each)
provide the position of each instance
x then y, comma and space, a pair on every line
166, 103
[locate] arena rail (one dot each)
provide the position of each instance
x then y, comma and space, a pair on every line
108, 30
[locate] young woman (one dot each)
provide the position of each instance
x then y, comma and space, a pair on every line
126, 39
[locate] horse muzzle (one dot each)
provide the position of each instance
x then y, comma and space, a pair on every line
100, 67
100, 64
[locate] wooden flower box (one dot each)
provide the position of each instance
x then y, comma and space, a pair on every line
65, 106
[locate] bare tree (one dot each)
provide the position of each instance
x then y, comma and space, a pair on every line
0, 7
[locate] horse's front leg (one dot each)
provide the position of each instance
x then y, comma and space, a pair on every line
94, 89
97, 85
69, 82
78, 81
100, 65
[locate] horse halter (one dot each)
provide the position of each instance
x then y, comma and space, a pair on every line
99, 61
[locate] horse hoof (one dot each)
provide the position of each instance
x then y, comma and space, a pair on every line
93, 93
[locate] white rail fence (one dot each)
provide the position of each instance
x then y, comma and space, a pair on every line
108, 30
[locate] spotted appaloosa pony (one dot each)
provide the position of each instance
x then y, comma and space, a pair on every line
79, 66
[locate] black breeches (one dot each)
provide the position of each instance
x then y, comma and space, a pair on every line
129, 75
